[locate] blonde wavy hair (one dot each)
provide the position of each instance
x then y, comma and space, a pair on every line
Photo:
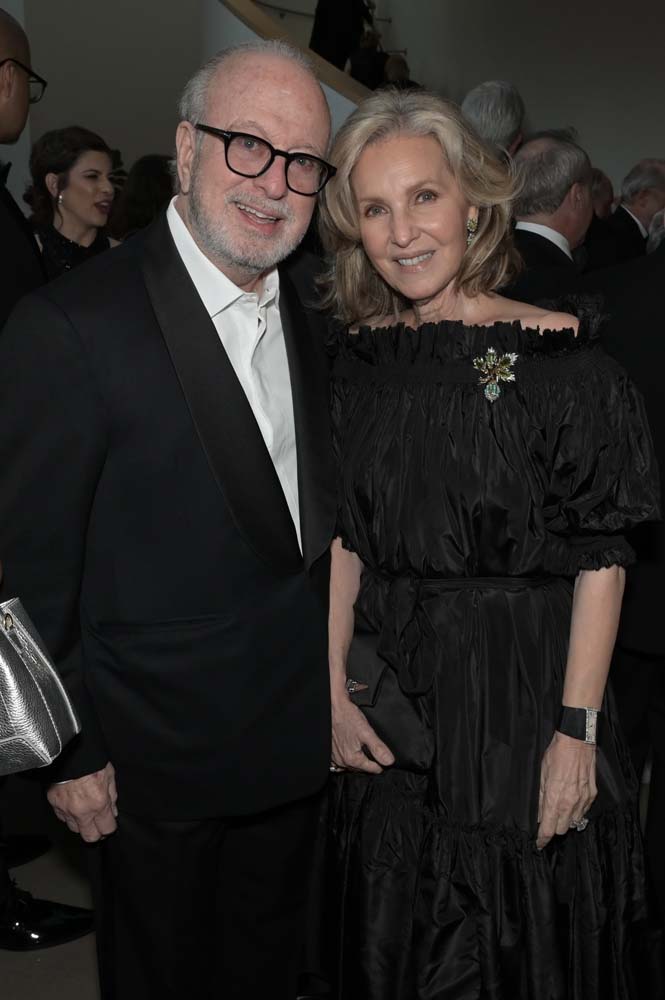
352, 288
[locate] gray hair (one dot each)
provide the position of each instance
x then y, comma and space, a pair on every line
194, 98
656, 231
644, 175
496, 111
549, 163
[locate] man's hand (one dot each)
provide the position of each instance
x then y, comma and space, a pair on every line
351, 734
88, 804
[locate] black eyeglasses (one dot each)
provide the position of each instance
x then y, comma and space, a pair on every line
250, 156
37, 84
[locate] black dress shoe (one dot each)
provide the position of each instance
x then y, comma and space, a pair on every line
24, 847
28, 923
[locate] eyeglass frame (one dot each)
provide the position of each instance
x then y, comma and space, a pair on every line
227, 136
31, 75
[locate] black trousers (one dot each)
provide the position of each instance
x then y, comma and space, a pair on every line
4, 869
639, 688
206, 909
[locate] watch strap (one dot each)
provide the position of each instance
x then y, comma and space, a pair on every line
580, 723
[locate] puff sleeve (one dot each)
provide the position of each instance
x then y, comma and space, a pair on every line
603, 472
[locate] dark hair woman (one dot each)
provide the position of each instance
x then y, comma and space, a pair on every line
71, 196
146, 192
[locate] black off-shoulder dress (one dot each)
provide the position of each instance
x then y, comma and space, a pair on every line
472, 512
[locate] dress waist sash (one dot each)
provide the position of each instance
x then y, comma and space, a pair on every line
408, 641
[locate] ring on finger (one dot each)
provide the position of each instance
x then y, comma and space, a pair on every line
579, 824
335, 768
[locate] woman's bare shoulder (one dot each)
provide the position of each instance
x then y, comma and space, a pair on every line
534, 318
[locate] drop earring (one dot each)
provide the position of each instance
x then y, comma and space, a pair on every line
471, 230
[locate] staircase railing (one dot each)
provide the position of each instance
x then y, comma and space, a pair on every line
265, 26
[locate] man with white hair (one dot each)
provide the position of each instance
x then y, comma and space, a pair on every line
165, 516
553, 212
642, 195
496, 111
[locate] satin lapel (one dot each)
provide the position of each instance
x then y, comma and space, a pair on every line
304, 333
221, 413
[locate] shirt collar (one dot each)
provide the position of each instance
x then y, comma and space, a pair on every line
217, 292
636, 221
548, 233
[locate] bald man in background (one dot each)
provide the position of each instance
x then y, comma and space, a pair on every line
26, 923
21, 268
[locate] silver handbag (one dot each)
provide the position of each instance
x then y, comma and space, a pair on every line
36, 715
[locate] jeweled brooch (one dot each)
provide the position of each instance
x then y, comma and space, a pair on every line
495, 368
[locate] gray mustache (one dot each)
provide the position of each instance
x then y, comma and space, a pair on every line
266, 208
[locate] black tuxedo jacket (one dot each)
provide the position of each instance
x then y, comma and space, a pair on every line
21, 268
548, 272
145, 529
629, 240
633, 297
601, 245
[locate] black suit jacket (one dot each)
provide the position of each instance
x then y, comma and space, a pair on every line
21, 268
144, 527
601, 245
634, 334
548, 272
629, 240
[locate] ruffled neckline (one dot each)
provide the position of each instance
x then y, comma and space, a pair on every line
454, 340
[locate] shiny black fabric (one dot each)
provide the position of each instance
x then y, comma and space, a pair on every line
471, 519
60, 254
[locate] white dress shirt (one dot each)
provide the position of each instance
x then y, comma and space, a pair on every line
249, 326
550, 234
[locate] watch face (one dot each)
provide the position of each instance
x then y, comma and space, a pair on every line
591, 726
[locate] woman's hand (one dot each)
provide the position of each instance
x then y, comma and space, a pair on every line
354, 741
567, 786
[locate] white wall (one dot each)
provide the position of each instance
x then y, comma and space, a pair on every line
599, 67
114, 67
118, 67
221, 28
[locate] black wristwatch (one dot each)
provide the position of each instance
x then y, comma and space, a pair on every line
580, 723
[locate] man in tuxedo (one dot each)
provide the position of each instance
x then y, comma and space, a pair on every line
553, 212
26, 923
165, 514
642, 195
20, 262
632, 294
600, 248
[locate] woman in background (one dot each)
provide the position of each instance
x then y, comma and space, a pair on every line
71, 196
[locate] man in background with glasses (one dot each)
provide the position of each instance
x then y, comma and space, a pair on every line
26, 923
166, 513
20, 264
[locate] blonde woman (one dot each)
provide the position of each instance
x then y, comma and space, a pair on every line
490, 459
